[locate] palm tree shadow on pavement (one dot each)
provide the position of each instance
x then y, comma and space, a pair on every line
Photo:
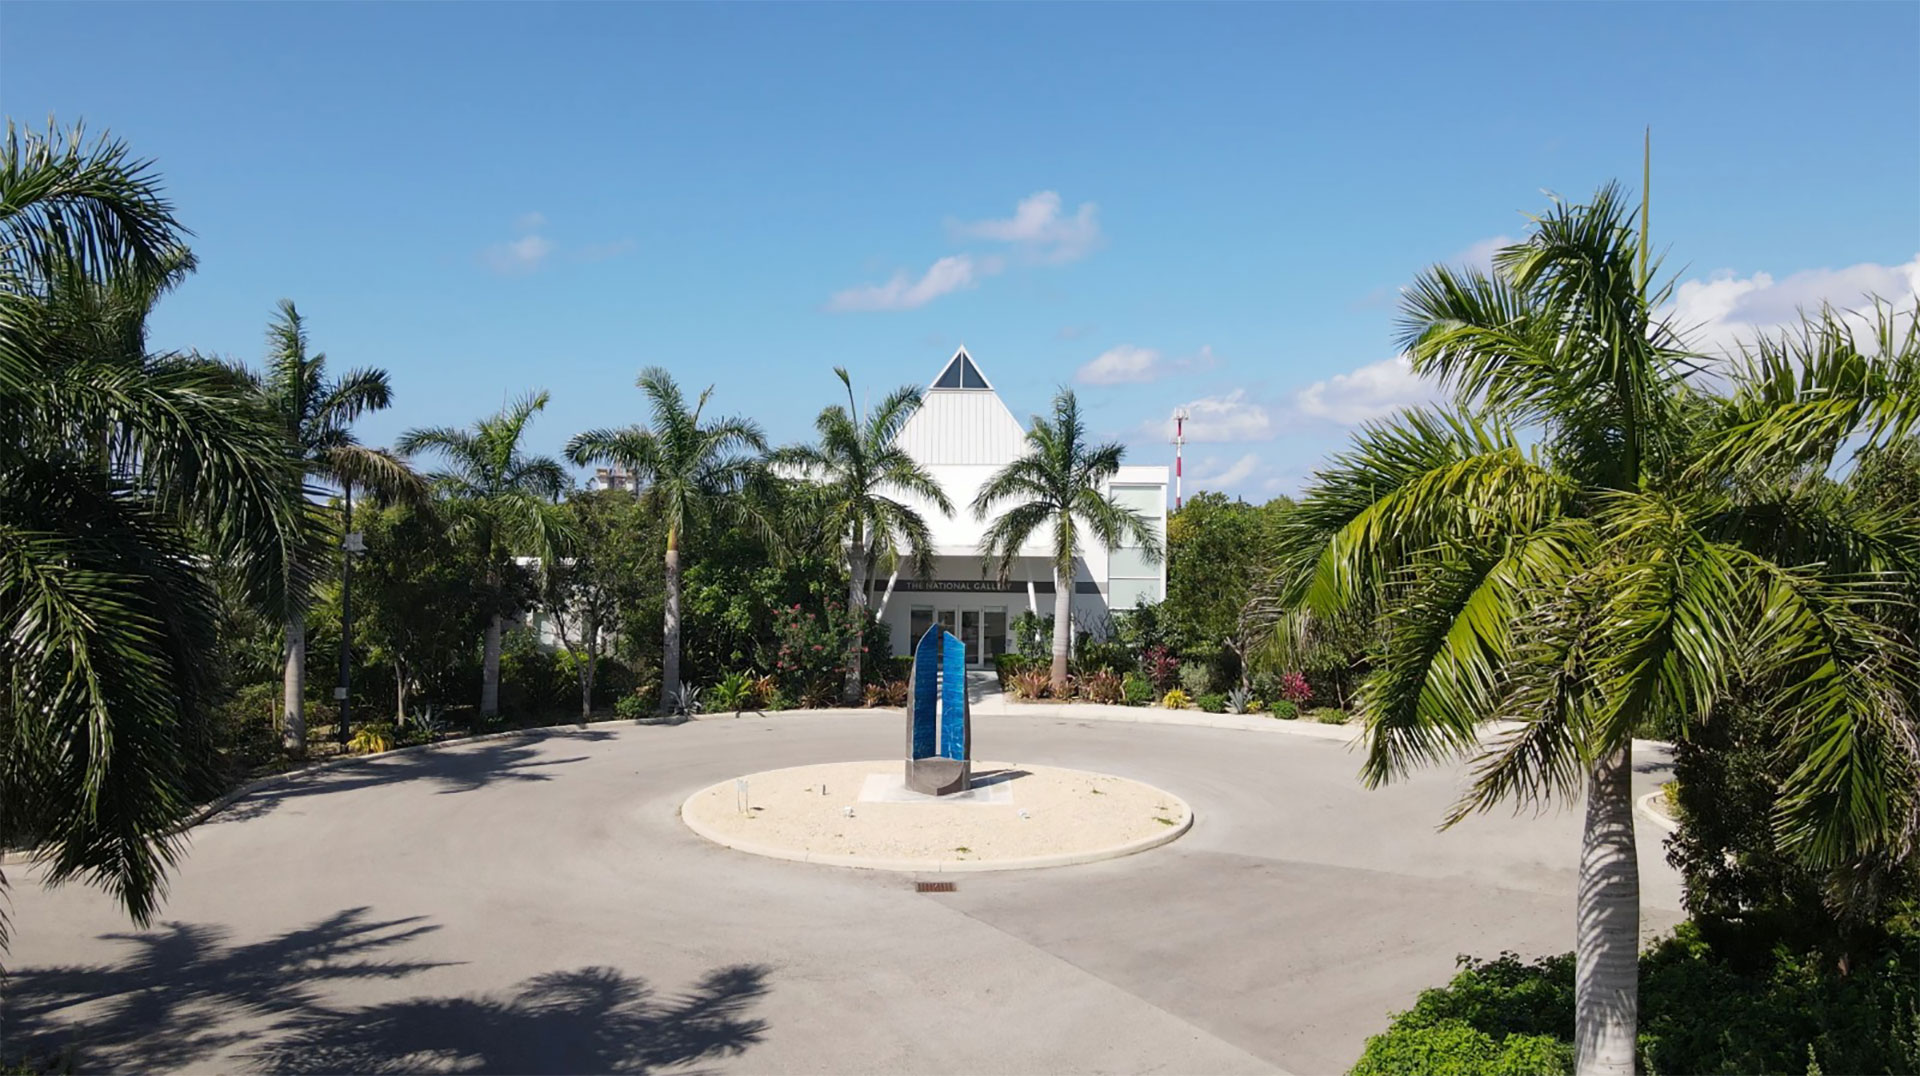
589, 1020
185, 999
450, 768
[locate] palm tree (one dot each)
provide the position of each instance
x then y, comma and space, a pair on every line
1060, 483
689, 472
505, 501
850, 473
130, 483
1655, 550
317, 415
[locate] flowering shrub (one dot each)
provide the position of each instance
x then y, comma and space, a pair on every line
1102, 686
1294, 689
1031, 683
1161, 667
810, 661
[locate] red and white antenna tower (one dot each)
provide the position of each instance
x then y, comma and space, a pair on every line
1180, 415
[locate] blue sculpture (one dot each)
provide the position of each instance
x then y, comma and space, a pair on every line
939, 728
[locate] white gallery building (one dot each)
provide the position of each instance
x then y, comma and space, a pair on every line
962, 434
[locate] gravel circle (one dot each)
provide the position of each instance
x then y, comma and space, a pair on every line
1045, 816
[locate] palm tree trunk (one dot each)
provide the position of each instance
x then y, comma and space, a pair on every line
587, 670
490, 670
1607, 926
670, 633
1062, 627
857, 610
399, 693
293, 733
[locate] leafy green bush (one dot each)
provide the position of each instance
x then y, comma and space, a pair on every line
1032, 635
1699, 1012
1104, 654
1212, 702
1196, 678
634, 705
1008, 666
1329, 715
244, 729
1283, 710
1101, 685
1136, 690
733, 693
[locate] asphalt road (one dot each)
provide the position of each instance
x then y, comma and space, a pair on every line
534, 905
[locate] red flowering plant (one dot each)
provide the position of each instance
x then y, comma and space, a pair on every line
1294, 689
810, 652
1160, 666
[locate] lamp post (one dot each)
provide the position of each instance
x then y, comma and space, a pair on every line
351, 546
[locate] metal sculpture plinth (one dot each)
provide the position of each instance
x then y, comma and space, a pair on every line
939, 725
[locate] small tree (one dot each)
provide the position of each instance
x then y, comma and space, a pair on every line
687, 473
503, 500
1059, 485
589, 593
854, 474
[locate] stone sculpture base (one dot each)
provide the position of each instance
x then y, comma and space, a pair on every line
938, 776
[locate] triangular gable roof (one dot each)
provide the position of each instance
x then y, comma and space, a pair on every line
961, 373
964, 422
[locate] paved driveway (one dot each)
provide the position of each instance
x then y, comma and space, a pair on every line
533, 905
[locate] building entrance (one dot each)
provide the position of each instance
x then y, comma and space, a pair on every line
982, 630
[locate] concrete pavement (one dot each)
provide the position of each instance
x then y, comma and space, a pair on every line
533, 905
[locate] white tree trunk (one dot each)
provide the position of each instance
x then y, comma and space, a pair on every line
399, 693
293, 732
670, 637
1062, 627
490, 670
1607, 924
857, 609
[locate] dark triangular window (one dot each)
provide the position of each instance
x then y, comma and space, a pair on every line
961, 374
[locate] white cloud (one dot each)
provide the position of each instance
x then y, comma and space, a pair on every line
523, 255
1038, 226
1722, 311
530, 222
1219, 420
949, 274
1129, 365
1480, 255
1373, 391
1211, 475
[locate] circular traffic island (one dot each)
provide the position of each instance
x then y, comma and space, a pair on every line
861, 814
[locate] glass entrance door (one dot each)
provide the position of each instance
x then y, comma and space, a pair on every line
970, 635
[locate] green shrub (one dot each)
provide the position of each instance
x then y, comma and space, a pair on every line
634, 705
1454, 1048
245, 728
1328, 715
1008, 666
1196, 678
1102, 686
1136, 690
1106, 654
1699, 1012
1283, 710
1212, 702
733, 693
1175, 699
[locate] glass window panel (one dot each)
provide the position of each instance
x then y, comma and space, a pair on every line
1126, 593
1131, 563
918, 621
950, 377
996, 630
969, 377
970, 634
1149, 501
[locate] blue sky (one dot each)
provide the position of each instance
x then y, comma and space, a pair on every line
1202, 205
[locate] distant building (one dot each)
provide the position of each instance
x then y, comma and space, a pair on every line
614, 477
962, 434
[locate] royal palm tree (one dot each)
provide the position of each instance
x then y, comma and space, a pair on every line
130, 483
504, 500
688, 473
850, 473
317, 414
1586, 546
1059, 484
